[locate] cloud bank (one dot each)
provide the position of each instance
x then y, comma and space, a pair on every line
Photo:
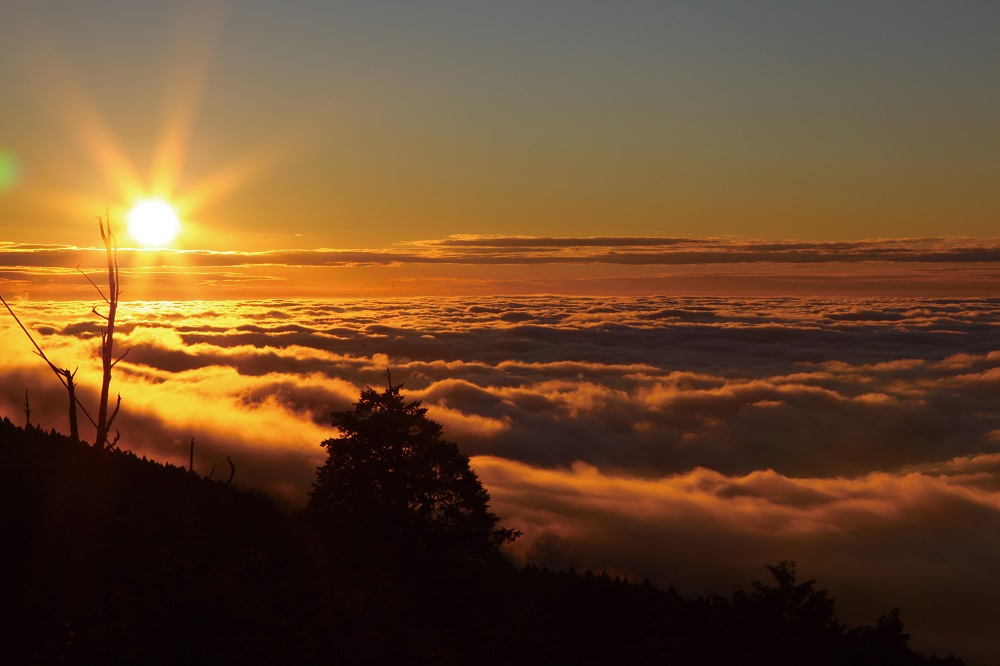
536, 250
528, 265
687, 440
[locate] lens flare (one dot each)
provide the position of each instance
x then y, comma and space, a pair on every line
8, 170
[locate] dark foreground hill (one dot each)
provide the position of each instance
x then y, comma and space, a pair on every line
161, 566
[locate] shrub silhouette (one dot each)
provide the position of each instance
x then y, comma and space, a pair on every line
393, 490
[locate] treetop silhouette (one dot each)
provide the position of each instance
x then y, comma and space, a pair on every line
392, 487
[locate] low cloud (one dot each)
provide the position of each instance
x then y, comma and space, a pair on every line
685, 440
923, 540
522, 265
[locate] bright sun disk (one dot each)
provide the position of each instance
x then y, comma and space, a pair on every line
153, 222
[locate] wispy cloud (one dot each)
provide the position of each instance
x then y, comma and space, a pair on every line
487, 265
536, 250
677, 251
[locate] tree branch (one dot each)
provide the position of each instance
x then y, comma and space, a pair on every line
94, 283
122, 357
111, 419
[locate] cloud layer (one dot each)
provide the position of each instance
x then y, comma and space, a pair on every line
526, 265
539, 250
686, 440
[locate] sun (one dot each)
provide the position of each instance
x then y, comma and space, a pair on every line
153, 222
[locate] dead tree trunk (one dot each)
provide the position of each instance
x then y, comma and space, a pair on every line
74, 429
107, 338
108, 361
64, 375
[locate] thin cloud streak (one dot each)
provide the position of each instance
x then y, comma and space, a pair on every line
467, 266
488, 250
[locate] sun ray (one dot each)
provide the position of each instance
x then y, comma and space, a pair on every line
114, 178
80, 115
238, 173
192, 52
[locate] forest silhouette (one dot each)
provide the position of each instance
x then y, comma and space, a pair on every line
396, 559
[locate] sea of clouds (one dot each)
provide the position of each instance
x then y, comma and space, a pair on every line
685, 440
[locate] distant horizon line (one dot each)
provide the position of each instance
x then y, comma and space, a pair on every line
465, 249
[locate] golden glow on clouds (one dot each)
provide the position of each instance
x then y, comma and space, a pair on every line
607, 266
700, 459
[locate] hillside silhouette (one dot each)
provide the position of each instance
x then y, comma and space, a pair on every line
162, 566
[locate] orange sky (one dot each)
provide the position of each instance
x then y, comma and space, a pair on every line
371, 127
490, 265
428, 158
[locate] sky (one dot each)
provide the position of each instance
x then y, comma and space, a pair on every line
698, 286
364, 125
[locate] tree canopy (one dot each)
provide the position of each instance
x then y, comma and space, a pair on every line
392, 487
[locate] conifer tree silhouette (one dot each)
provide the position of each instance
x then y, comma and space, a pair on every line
392, 485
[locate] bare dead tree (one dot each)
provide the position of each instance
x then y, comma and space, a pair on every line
27, 412
108, 361
65, 377
68, 381
232, 470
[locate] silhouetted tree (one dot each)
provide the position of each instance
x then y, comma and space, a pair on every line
232, 576
67, 378
789, 603
391, 487
789, 622
108, 361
